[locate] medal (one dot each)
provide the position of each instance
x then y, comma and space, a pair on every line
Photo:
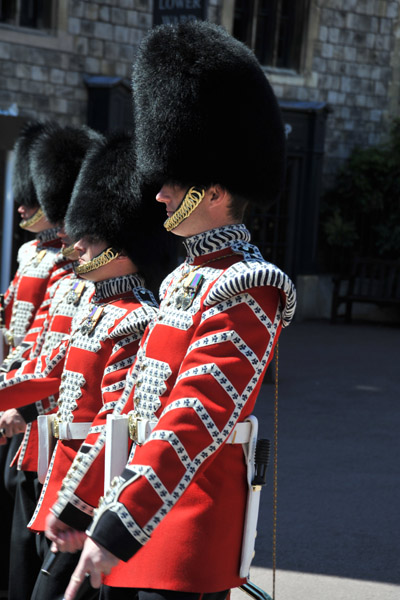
190, 287
192, 282
40, 256
75, 292
91, 321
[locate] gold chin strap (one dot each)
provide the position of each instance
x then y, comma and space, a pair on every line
33, 220
66, 252
191, 201
98, 261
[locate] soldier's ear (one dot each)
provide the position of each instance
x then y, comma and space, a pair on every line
123, 257
218, 195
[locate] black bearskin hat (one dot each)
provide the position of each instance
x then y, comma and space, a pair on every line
55, 160
205, 112
108, 205
22, 184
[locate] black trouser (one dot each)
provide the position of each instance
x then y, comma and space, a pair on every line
110, 593
25, 561
10, 473
53, 586
7, 504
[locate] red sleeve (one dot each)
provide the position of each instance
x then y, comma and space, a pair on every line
34, 380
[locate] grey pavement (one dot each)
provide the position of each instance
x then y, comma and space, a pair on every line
338, 528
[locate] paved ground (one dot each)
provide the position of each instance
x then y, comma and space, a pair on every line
339, 457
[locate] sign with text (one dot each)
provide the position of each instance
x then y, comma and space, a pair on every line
178, 11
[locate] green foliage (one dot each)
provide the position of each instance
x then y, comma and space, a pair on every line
360, 215
338, 231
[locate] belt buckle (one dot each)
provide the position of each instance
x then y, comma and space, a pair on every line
133, 428
55, 425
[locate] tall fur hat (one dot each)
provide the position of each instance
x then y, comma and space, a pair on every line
205, 112
22, 184
55, 160
108, 205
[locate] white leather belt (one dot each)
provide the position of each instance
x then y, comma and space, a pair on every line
240, 434
140, 429
63, 430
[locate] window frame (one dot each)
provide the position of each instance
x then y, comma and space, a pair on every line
16, 17
254, 35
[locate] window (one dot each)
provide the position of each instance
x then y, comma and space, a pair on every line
34, 14
274, 29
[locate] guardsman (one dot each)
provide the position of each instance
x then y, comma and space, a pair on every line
69, 296
46, 167
113, 229
38, 258
55, 156
39, 264
209, 130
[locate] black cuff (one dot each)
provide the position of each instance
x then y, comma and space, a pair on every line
75, 518
111, 533
29, 412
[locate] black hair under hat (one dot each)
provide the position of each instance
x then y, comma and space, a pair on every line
22, 184
55, 160
205, 112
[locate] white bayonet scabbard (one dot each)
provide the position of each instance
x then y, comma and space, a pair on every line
116, 448
47, 442
253, 501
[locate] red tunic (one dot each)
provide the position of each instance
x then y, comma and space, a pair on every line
40, 264
35, 381
66, 298
93, 367
176, 512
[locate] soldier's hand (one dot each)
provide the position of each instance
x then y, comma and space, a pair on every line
64, 538
94, 562
11, 422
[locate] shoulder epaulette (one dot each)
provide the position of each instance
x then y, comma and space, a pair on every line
145, 297
251, 273
26, 251
137, 320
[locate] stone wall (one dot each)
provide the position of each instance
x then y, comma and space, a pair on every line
44, 74
351, 60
